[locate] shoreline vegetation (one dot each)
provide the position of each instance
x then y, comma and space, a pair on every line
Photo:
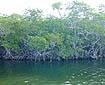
77, 33
21, 58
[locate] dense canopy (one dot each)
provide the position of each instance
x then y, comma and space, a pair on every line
79, 33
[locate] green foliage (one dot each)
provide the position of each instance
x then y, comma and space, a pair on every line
57, 5
40, 43
79, 34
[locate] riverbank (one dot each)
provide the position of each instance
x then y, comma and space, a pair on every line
22, 58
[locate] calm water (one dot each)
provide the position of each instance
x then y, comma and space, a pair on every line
55, 73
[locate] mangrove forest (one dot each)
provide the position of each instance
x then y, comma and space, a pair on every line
77, 32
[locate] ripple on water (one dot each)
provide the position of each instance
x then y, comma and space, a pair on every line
26, 81
81, 74
85, 72
43, 74
91, 80
79, 84
73, 77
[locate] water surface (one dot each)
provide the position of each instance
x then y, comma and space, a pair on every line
56, 73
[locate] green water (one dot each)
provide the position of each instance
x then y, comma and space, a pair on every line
56, 73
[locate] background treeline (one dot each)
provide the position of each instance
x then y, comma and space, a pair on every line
77, 33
